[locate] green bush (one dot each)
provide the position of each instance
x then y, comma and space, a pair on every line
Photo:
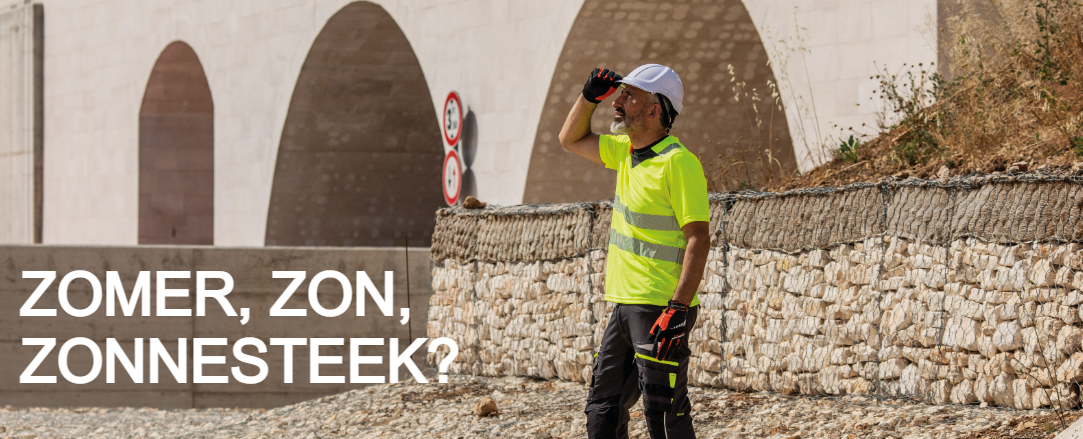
848, 149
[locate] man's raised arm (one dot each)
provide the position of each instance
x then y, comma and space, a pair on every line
576, 136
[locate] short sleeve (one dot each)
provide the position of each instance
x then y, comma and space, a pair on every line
613, 149
687, 188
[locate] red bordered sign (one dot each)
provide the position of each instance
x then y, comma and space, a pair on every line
453, 119
453, 178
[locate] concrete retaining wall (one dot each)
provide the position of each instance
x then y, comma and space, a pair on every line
960, 291
253, 288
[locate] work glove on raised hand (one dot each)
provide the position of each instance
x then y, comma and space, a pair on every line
600, 85
669, 331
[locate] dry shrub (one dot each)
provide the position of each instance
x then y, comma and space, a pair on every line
1013, 94
1017, 90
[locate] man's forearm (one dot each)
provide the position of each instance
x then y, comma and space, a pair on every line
577, 126
695, 260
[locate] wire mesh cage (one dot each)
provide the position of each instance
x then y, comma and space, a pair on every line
962, 291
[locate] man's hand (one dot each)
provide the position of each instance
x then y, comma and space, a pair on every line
576, 136
600, 85
669, 331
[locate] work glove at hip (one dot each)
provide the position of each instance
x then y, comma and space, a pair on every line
600, 85
669, 331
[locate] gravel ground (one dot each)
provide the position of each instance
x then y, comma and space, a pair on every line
531, 408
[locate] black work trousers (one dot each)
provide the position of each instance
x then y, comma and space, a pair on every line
624, 370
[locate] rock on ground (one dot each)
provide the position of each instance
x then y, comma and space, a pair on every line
531, 408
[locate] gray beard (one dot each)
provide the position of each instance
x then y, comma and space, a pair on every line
627, 125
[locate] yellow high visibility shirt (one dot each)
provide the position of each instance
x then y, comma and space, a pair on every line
657, 193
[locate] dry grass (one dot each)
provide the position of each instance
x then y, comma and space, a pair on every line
1015, 97
759, 165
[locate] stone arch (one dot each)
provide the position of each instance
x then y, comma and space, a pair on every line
360, 157
176, 152
700, 40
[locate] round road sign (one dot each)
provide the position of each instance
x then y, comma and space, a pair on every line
453, 178
453, 118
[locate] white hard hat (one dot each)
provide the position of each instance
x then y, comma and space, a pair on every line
657, 78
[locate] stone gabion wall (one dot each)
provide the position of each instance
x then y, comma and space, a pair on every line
959, 291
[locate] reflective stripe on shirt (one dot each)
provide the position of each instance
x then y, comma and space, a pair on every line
646, 220
646, 249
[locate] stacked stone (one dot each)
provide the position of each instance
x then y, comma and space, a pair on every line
1010, 326
519, 233
453, 313
454, 236
705, 339
800, 323
914, 321
800, 221
918, 289
525, 303
599, 238
1020, 211
538, 318
533, 237
920, 214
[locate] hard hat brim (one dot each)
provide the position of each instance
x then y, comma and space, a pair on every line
642, 85
638, 84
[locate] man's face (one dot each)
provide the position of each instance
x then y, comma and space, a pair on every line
632, 109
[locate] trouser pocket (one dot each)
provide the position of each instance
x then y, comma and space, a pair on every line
657, 382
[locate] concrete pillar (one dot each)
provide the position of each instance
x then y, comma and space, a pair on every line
20, 123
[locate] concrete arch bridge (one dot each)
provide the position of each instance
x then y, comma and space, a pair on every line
316, 123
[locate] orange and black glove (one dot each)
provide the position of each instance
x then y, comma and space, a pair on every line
600, 85
669, 331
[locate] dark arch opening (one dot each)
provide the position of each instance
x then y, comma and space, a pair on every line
360, 158
176, 152
699, 40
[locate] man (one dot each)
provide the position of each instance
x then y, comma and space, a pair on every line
658, 245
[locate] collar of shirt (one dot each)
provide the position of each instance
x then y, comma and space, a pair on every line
645, 150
